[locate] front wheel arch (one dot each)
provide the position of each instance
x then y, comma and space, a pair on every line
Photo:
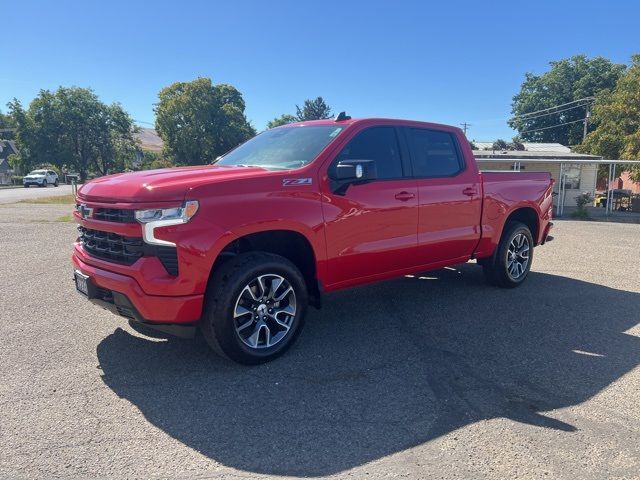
290, 244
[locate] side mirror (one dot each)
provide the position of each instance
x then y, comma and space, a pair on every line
348, 172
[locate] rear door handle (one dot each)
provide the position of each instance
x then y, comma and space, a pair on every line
404, 196
470, 191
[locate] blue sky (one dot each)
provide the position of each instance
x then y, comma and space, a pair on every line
445, 62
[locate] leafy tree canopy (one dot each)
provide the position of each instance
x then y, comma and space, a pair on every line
313, 110
199, 121
568, 80
281, 120
72, 128
616, 116
6, 127
500, 144
316, 109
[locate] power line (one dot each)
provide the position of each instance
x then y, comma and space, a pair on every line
519, 117
142, 121
590, 99
553, 126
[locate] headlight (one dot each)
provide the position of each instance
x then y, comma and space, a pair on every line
164, 217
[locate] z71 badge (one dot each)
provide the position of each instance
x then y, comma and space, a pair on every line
295, 182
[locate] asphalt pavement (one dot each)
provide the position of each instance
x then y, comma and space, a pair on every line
435, 376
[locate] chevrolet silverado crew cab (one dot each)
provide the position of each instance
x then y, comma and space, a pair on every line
240, 248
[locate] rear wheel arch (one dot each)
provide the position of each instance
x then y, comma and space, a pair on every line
526, 215
290, 244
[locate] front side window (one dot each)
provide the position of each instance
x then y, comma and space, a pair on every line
379, 144
282, 148
433, 153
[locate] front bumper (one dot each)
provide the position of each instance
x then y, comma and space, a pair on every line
124, 296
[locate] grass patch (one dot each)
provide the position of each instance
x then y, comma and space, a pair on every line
65, 218
581, 214
60, 200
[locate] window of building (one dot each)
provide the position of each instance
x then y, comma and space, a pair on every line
571, 177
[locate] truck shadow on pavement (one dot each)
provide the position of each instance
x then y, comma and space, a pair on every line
384, 368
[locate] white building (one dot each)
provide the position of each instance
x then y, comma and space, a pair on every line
544, 157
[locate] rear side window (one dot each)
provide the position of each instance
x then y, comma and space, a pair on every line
433, 153
379, 144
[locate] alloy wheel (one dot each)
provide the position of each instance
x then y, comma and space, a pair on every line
264, 311
518, 256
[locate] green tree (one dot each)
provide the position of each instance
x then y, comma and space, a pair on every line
568, 80
72, 128
281, 120
153, 160
199, 121
313, 110
616, 116
7, 126
500, 145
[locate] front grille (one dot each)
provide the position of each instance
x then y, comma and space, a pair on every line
111, 246
104, 294
125, 311
126, 250
114, 215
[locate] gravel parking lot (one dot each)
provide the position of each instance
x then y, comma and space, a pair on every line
434, 376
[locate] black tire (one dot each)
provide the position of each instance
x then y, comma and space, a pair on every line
55, 184
225, 292
43, 184
26, 185
497, 270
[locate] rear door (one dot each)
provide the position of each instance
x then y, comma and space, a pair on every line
371, 229
449, 196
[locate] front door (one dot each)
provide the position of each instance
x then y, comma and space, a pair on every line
371, 229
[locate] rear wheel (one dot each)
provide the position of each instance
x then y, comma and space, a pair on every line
255, 307
511, 263
55, 184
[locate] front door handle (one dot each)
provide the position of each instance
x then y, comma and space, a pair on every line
470, 191
404, 196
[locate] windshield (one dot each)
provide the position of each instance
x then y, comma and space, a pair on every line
38, 172
282, 148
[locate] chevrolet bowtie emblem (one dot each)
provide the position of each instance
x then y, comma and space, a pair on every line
85, 212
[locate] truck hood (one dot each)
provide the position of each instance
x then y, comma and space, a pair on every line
164, 185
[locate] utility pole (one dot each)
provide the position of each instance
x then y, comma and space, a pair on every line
464, 126
586, 121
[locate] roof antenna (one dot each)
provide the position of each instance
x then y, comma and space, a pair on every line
342, 116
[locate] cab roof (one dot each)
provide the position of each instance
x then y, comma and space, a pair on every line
372, 121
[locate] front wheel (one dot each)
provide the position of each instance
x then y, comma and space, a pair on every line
511, 264
254, 308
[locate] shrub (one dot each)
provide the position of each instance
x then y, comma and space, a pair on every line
582, 201
47, 166
16, 179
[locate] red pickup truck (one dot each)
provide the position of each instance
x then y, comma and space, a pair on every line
239, 249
